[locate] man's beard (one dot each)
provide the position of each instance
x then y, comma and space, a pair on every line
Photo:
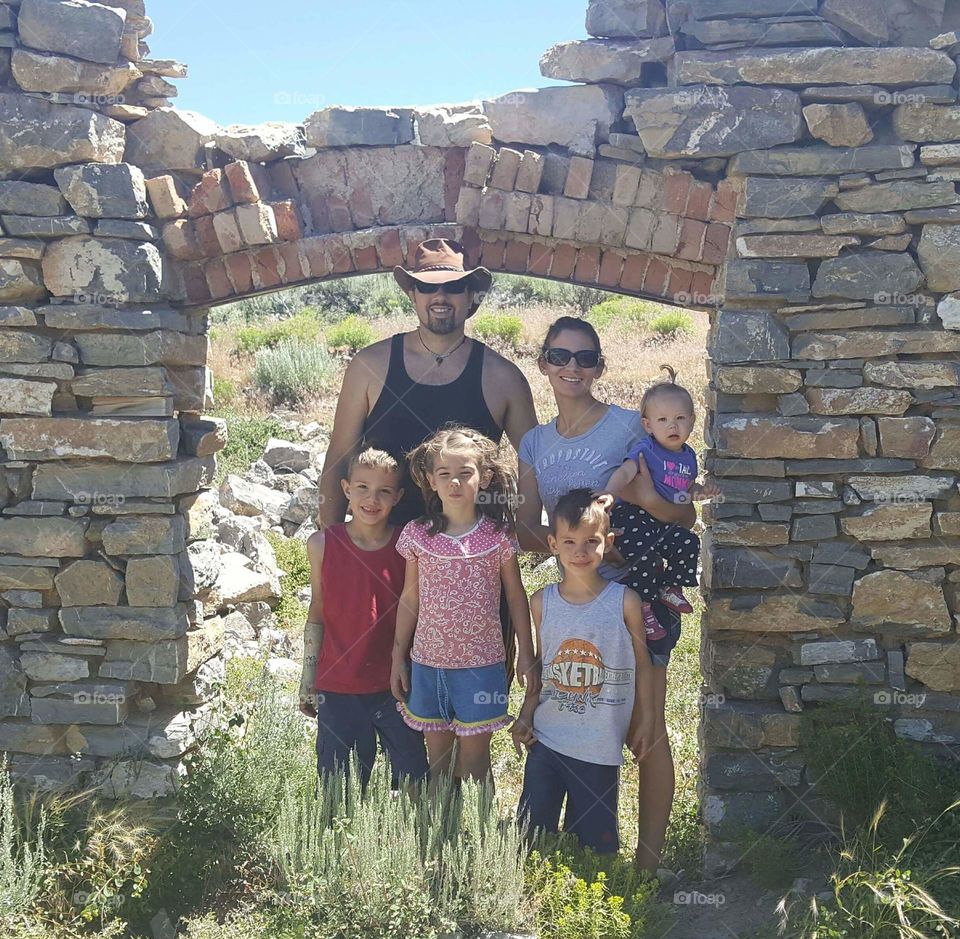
441, 327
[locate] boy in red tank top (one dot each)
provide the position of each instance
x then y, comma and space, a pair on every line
356, 577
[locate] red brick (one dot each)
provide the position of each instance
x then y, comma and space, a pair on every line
676, 187
723, 208
288, 220
492, 256
690, 247
239, 271
453, 167
634, 268
195, 283
391, 252
361, 208
366, 259
318, 260
588, 266
515, 260
698, 202
611, 264
655, 280
217, 280
715, 242
266, 267
180, 240
207, 236
564, 262
702, 288
679, 283
248, 182
292, 264
541, 257
209, 195
341, 261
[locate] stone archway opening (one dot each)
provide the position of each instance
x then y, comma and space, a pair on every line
796, 174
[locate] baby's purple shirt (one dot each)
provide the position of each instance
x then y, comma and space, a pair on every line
672, 471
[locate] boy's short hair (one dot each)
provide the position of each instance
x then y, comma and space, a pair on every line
374, 459
579, 506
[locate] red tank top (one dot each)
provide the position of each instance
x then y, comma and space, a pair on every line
361, 590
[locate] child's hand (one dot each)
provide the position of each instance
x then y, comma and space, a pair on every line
522, 731
640, 739
612, 555
528, 672
308, 703
606, 499
400, 679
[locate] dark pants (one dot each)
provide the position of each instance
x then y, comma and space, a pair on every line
589, 788
351, 723
658, 555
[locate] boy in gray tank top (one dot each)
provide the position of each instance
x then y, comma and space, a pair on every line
597, 689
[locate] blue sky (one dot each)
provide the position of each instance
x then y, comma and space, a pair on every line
251, 61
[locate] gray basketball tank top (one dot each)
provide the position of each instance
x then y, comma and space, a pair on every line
589, 671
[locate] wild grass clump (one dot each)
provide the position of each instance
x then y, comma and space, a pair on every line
350, 335
671, 324
293, 371
23, 863
292, 559
503, 328
302, 327
623, 311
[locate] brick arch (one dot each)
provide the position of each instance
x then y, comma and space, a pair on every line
249, 228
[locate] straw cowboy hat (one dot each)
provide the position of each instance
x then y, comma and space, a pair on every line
440, 261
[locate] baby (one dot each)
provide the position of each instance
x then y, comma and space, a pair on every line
662, 557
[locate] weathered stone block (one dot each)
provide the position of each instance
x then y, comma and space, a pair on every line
945, 449
20, 281
936, 664
889, 522
784, 198
22, 198
14, 701
939, 255
43, 537
908, 437
859, 401
625, 18
749, 337
896, 598
163, 662
771, 613
795, 437
867, 274
124, 270
747, 379
152, 581
83, 482
840, 125
821, 160
730, 567
169, 140
932, 552
604, 60
901, 488
924, 122
74, 27
89, 583
64, 438
147, 534
143, 624
358, 126
754, 280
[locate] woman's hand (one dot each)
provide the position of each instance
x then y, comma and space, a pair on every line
399, 678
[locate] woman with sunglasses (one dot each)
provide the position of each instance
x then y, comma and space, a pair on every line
581, 448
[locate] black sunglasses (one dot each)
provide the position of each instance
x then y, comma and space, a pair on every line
451, 287
586, 358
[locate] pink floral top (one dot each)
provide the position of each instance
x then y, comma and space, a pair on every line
459, 622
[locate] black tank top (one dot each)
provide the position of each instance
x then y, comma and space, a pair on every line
407, 413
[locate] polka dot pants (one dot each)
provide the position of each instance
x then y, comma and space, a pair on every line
659, 555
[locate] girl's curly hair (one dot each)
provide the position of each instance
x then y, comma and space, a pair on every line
497, 500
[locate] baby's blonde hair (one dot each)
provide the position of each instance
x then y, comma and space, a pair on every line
662, 389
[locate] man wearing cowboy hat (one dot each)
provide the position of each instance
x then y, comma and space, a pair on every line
398, 392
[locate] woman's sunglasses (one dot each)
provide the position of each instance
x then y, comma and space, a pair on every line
586, 358
452, 287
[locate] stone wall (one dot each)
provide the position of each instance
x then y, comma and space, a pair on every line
789, 166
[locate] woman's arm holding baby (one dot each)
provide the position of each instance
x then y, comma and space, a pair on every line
642, 492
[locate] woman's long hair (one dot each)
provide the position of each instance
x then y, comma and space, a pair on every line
497, 501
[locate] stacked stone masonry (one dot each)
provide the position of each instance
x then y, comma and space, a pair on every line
791, 167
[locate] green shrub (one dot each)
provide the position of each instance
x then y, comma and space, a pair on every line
369, 864
502, 327
673, 323
518, 290
23, 863
303, 327
224, 392
246, 438
351, 334
293, 371
292, 559
624, 311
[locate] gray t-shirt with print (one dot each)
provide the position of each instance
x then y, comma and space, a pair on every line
588, 461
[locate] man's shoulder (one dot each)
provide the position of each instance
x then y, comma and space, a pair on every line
375, 352
500, 366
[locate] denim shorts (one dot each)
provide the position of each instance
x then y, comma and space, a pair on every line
467, 701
